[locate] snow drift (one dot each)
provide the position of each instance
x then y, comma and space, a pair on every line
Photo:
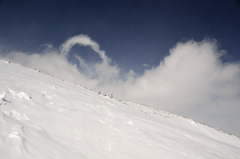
44, 117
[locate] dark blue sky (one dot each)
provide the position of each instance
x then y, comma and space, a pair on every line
132, 32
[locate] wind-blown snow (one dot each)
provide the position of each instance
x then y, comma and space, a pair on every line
43, 117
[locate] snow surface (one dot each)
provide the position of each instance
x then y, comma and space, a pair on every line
43, 117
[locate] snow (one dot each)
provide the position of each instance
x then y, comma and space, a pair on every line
43, 117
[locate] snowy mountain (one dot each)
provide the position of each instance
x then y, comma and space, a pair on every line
43, 117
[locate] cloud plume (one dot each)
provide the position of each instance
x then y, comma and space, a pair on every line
192, 80
85, 41
193, 75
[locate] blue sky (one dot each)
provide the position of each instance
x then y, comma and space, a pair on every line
182, 56
132, 32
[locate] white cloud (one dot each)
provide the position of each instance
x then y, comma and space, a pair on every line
85, 41
51, 63
103, 71
192, 80
192, 75
56, 63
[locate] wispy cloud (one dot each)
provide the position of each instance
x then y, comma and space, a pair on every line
192, 80
85, 41
55, 62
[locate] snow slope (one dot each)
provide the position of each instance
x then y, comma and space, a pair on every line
43, 117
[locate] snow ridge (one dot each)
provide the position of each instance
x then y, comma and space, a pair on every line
44, 117
163, 113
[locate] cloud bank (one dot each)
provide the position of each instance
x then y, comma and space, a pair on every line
192, 80
194, 76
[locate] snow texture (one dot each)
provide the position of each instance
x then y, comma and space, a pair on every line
43, 117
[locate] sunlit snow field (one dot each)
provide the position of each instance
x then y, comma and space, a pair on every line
44, 117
